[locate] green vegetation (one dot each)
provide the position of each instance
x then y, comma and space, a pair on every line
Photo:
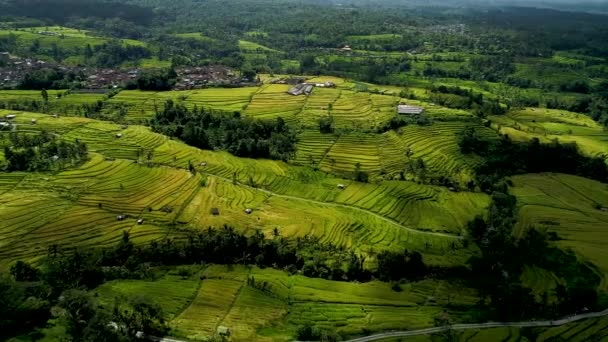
324, 216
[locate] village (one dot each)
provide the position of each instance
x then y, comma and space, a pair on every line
13, 71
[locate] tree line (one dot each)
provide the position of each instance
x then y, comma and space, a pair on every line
241, 136
497, 271
64, 276
503, 157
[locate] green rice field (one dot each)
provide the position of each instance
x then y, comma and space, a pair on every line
118, 180
271, 312
567, 205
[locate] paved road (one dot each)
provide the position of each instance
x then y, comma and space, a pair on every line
529, 324
406, 333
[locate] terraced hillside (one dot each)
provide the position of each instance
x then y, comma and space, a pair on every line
548, 124
572, 207
385, 154
142, 174
274, 304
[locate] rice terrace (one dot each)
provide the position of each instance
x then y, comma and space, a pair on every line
303, 171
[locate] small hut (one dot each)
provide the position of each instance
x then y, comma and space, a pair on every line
248, 211
140, 221
215, 211
223, 331
341, 186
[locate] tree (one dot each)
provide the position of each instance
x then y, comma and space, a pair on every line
88, 52
326, 124
360, 176
444, 321
140, 315
45, 95
23, 271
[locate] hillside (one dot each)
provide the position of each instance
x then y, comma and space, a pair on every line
255, 170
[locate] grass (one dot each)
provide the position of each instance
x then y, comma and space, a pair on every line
566, 205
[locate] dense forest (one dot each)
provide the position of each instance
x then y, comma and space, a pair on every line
42, 152
241, 136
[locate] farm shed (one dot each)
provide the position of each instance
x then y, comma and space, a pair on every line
409, 110
215, 211
10, 116
248, 211
303, 88
341, 186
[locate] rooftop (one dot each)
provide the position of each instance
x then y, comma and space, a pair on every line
408, 109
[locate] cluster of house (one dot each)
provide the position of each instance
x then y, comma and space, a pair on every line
13, 69
206, 76
107, 78
306, 88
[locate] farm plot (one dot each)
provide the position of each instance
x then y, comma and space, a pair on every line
73, 104
230, 100
139, 106
276, 304
317, 106
351, 150
45, 122
549, 124
313, 146
172, 292
390, 215
79, 207
436, 145
294, 217
113, 141
567, 205
362, 110
12, 98
273, 101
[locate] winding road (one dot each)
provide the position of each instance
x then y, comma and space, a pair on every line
528, 324
458, 327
